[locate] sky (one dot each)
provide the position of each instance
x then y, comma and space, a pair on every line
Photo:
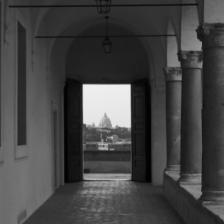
115, 100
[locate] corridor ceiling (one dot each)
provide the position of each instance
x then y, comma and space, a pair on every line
142, 20
54, 21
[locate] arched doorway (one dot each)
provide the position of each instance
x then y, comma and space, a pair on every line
87, 63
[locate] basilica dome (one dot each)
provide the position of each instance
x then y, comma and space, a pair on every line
105, 122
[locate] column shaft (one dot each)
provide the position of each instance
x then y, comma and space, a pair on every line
212, 37
173, 116
191, 122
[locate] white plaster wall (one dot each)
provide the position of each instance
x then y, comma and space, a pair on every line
158, 134
172, 47
189, 24
213, 11
25, 183
158, 105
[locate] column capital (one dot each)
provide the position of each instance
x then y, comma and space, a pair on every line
173, 74
190, 59
211, 34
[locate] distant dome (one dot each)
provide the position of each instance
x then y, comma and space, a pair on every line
105, 122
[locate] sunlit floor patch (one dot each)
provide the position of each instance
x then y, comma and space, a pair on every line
109, 176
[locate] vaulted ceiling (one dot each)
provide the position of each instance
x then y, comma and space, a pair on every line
52, 21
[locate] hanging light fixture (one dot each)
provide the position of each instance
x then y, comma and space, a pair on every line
103, 6
107, 43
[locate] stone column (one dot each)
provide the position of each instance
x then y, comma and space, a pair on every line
173, 116
212, 37
191, 122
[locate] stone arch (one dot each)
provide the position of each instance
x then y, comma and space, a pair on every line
77, 25
128, 61
57, 48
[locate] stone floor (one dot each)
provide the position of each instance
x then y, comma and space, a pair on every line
106, 202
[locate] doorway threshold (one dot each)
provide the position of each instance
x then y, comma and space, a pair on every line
107, 176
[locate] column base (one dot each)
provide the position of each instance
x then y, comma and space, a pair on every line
172, 168
190, 179
212, 197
